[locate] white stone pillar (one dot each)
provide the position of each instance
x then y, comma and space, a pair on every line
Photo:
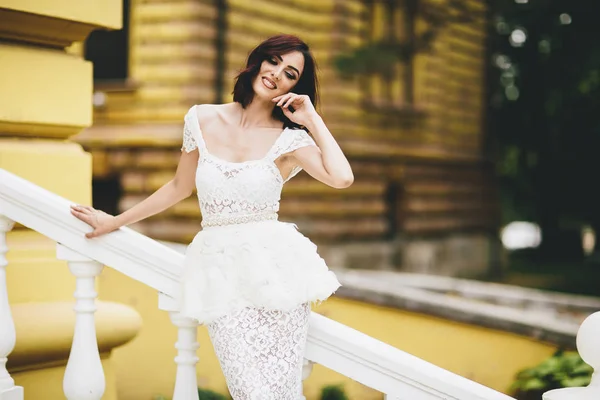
588, 345
307, 367
186, 382
84, 376
8, 336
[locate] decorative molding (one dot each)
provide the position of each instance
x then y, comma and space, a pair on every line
41, 30
137, 135
57, 23
37, 130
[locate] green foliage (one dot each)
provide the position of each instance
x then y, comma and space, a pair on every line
563, 369
382, 56
203, 394
333, 392
545, 102
206, 394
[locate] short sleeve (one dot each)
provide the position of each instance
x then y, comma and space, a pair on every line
298, 138
189, 140
189, 143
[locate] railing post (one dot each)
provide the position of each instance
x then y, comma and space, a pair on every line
307, 367
186, 382
588, 345
84, 376
8, 336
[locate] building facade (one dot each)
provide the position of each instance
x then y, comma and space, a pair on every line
423, 199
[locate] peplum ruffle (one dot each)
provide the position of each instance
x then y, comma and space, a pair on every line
266, 264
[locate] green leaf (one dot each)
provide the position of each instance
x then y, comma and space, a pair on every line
576, 382
333, 392
534, 384
583, 369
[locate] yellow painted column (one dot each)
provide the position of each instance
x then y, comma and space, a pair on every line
45, 98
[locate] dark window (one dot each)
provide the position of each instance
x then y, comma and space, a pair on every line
391, 28
109, 51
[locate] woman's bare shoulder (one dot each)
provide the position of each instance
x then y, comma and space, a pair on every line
208, 113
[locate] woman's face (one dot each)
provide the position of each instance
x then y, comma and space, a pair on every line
278, 75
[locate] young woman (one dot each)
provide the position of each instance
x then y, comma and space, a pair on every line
247, 276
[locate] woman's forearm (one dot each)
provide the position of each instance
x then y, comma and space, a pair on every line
334, 160
168, 195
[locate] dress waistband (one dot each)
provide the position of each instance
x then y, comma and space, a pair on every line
237, 219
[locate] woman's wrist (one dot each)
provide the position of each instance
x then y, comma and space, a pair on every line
118, 221
314, 123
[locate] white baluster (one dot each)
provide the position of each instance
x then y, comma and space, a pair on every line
186, 382
8, 337
588, 345
84, 376
307, 367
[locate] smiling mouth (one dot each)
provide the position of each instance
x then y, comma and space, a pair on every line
269, 83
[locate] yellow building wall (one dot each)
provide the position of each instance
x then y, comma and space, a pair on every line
45, 97
173, 58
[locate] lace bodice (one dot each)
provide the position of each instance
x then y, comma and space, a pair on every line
231, 192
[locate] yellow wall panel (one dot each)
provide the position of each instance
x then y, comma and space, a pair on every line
62, 168
107, 13
42, 86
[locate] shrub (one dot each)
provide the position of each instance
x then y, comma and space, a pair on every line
333, 392
563, 369
206, 394
203, 394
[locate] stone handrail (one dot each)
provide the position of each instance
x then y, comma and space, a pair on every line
393, 372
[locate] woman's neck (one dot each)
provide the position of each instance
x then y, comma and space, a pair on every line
258, 114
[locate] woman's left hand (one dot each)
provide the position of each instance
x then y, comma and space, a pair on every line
304, 110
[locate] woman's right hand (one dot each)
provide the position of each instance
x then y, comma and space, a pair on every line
102, 222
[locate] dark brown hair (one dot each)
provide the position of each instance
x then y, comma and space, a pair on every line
277, 46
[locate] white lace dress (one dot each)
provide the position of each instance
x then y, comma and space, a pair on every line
249, 277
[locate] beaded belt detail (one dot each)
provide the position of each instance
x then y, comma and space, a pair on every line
237, 219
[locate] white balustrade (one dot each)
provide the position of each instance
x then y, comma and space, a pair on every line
186, 382
307, 367
8, 337
331, 344
84, 376
588, 345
